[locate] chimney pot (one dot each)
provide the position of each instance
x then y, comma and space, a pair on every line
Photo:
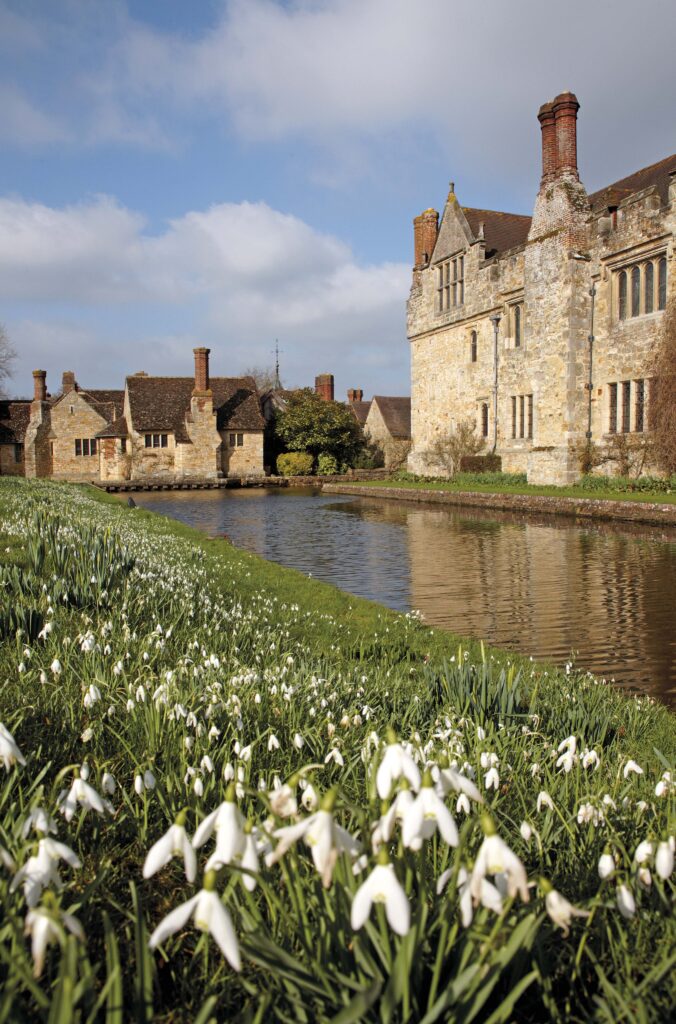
68, 381
40, 385
565, 108
201, 369
355, 395
324, 386
425, 231
549, 148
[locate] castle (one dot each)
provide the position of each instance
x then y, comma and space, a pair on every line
541, 330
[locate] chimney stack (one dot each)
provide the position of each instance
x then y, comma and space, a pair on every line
68, 381
355, 395
565, 108
549, 148
39, 385
324, 386
201, 369
425, 231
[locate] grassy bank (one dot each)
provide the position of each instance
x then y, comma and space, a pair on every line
183, 677
498, 483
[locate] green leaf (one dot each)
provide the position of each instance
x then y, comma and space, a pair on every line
357, 1007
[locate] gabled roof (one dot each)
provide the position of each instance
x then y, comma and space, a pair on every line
654, 175
396, 413
118, 428
163, 403
502, 231
14, 417
360, 410
108, 403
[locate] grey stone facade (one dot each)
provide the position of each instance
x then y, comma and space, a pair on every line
543, 277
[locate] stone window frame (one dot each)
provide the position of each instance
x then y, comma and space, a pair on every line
515, 322
483, 416
474, 345
626, 407
450, 283
639, 287
156, 440
236, 439
86, 447
522, 417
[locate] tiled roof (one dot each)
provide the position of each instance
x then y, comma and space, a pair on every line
118, 428
396, 413
14, 417
656, 174
360, 410
502, 231
107, 397
163, 403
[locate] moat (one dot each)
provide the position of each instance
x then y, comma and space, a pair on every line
601, 593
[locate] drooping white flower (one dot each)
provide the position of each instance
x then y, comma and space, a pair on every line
526, 831
228, 824
496, 858
631, 766
80, 793
326, 839
451, 780
39, 820
42, 869
273, 742
606, 865
590, 759
544, 800
283, 800
108, 783
664, 860
382, 886
426, 814
396, 761
644, 852
625, 901
559, 909
9, 751
174, 843
384, 827
209, 915
310, 799
492, 778
46, 926
56, 667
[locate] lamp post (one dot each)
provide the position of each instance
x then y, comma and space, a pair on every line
495, 320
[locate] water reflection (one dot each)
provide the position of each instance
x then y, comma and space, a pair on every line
543, 586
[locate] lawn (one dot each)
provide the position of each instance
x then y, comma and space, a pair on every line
231, 792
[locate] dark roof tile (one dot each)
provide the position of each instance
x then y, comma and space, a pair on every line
502, 231
396, 413
14, 417
163, 403
654, 175
360, 410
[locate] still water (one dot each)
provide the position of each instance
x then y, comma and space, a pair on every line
545, 586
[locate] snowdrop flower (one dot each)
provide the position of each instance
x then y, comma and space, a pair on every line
496, 858
492, 779
567, 761
426, 814
92, 695
46, 926
42, 869
384, 827
462, 805
664, 860
88, 643
283, 800
625, 901
644, 852
606, 865
174, 843
228, 824
79, 793
382, 886
40, 821
395, 762
590, 759
326, 839
526, 831
273, 742
138, 784
544, 800
198, 787
108, 784
209, 915
298, 741
558, 907
450, 780
6, 859
310, 799
149, 779
631, 766
334, 755
663, 787
56, 667
45, 631
9, 751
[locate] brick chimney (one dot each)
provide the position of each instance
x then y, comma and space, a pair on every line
565, 108
549, 153
68, 381
201, 369
39, 385
324, 386
355, 395
425, 231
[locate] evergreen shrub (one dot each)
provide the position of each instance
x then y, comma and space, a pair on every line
294, 464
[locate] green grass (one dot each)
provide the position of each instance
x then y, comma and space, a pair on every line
182, 656
459, 485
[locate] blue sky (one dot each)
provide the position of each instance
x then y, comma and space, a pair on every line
228, 172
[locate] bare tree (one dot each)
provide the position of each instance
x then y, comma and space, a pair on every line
662, 408
265, 376
7, 357
445, 453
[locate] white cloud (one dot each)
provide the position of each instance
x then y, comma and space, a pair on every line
235, 276
23, 124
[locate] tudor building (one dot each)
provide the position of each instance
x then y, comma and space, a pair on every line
541, 329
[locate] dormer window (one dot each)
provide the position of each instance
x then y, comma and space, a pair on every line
450, 284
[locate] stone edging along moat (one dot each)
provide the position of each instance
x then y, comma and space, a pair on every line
586, 508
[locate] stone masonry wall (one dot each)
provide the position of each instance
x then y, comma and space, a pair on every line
72, 417
8, 463
245, 459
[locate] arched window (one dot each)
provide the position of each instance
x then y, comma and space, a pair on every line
662, 284
517, 326
484, 419
635, 291
473, 347
648, 288
622, 295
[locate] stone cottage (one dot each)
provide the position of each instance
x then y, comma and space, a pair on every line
158, 429
14, 417
540, 330
388, 426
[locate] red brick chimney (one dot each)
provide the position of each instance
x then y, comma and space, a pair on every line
565, 108
201, 369
425, 231
68, 381
39, 385
355, 395
549, 153
324, 386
